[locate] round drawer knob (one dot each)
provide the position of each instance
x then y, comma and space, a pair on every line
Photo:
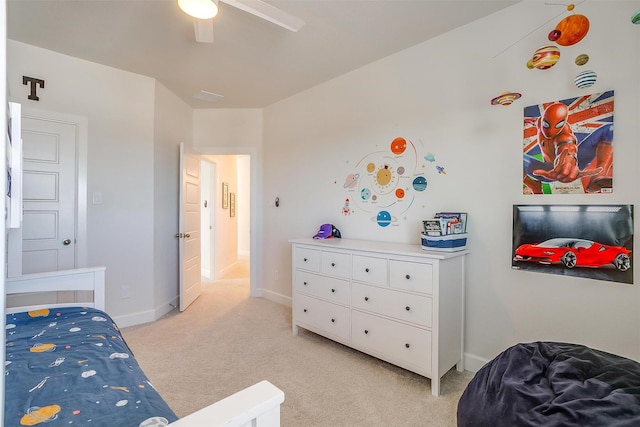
366, 270
408, 276
305, 310
407, 345
333, 320
333, 290
366, 298
366, 331
407, 308
305, 283
333, 264
305, 260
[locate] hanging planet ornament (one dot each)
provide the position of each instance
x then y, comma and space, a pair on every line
636, 18
506, 98
530, 64
585, 79
582, 59
571, 7
554, 35
572, 29
545, 57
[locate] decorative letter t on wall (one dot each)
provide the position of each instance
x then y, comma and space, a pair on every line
32, 81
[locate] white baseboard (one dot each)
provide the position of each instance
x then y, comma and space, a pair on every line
134, 318
276, 297
145, 316
473, 363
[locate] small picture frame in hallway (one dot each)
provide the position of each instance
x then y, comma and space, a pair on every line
225, 195
232, 204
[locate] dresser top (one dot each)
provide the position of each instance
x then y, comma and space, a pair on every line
373, 246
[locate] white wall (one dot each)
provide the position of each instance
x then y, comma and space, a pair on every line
439, 92
132, 161
172, 125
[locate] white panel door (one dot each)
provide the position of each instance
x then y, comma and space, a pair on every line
189, 233
48, 233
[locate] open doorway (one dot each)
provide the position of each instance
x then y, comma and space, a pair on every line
226, 216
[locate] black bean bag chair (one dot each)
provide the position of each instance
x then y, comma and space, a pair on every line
553, 384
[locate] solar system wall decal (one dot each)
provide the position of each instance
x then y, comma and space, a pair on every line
384, 184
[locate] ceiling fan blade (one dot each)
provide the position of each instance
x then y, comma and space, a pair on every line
204, 30
268, 12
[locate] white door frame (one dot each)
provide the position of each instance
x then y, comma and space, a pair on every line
255, 225
81, 125
209, 251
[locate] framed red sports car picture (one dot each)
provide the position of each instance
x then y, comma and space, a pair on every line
590, 241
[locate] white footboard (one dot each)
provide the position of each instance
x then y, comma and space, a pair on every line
255, 406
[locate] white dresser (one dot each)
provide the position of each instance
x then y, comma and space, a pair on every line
396, 302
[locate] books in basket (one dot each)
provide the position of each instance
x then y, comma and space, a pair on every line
432, 227
452, 222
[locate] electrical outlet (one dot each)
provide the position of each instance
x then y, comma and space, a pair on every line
124, 291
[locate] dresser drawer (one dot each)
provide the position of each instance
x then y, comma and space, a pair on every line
397, 343
370, 270
327, 317
335, 290
307, 259
411, 276
399, 305
336, 264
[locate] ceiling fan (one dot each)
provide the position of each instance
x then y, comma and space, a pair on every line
205, 10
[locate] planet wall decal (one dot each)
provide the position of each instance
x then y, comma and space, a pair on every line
545, 57
585, 79
572, 29
398, 145
384, 219
582, 59
636, 18
420, 183
554, 35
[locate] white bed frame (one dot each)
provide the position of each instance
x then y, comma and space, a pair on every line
254, 406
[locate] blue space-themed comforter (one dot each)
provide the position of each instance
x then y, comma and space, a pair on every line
71, 367
553, 384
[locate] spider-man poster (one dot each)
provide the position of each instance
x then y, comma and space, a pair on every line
568, 146
588, 241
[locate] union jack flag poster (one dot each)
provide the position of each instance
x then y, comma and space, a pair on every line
568, 146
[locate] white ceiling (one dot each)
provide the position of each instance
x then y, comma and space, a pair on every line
253, 63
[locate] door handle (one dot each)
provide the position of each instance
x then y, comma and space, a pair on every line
187, 235
66, 242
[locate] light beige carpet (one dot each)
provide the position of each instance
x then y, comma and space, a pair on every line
227, 341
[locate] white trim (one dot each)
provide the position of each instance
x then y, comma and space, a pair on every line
256, 219
276, 297
473, 362
147, 316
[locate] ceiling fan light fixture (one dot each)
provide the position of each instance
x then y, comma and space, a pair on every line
200, 9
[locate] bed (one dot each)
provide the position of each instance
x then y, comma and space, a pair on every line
553, 384
68, 364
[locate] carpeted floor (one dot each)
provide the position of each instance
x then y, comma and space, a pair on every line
227, 341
